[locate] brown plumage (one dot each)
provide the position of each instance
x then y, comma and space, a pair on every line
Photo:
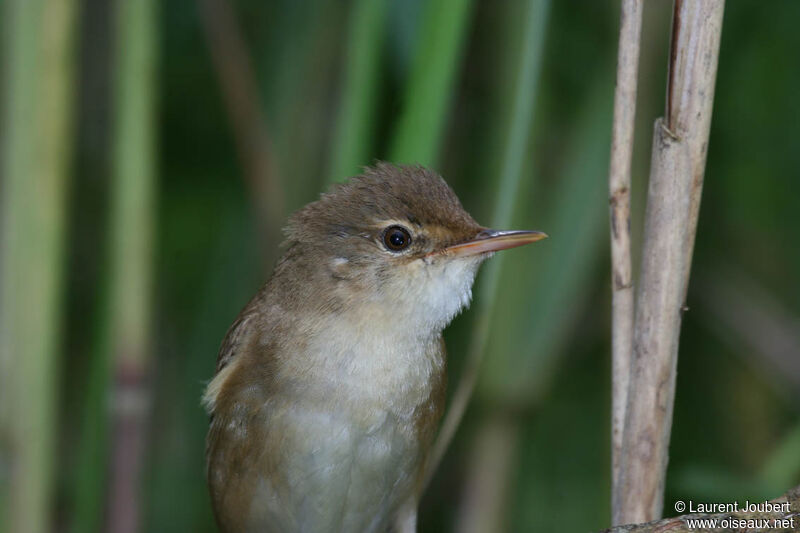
330, 383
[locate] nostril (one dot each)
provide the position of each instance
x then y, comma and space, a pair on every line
487, 233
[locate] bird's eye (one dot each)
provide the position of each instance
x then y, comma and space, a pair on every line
396, 238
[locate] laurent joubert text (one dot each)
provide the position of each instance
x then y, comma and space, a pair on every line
732, 507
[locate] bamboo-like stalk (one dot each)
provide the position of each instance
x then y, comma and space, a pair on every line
131, 267
619, 181
352, 139
676, 178
35, 158
521, 113
420, 128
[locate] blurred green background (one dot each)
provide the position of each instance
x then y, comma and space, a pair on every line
150, 152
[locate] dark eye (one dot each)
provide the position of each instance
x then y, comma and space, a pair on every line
396, 238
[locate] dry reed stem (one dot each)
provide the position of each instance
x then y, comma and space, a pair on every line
619, 181
676, 177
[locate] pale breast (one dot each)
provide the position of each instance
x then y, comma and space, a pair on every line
333, 474
354, 436
336, 437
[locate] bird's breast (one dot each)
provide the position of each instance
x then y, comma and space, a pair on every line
368, 366
352, 442
341, 429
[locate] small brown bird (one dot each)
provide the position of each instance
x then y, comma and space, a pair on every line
330, 383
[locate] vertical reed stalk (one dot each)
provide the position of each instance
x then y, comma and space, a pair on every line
619, 182
37, 100
680, 142
131, 266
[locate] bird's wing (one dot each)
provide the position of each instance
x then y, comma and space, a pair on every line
237, 437
234, 339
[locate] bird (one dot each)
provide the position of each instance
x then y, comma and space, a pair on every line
330, 383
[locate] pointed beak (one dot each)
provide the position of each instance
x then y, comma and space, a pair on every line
492, 240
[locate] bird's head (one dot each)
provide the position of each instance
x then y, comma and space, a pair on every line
396, 238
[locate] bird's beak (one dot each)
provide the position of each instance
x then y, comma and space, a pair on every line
492, 240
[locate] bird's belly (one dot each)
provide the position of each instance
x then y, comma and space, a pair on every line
338, 471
